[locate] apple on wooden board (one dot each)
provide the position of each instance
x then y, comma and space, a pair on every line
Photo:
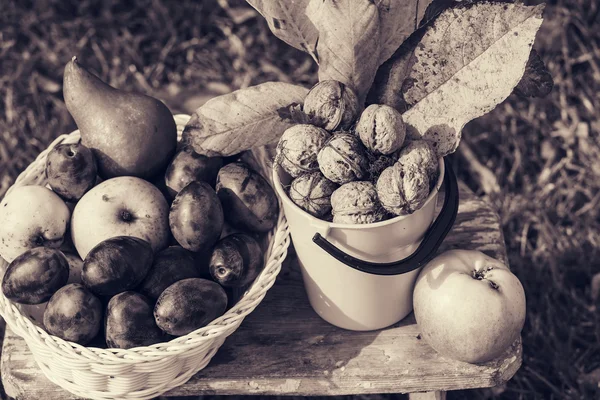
122, 206
469, 306
31, 216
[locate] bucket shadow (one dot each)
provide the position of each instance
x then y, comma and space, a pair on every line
284, 338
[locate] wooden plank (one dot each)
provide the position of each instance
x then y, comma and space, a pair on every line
284, 348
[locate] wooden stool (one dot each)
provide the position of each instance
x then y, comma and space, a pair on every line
285, 348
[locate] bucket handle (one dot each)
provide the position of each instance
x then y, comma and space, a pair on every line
434, 236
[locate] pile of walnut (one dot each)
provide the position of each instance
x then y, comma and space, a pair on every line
354, 169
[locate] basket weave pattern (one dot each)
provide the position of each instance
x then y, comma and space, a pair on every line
143, 372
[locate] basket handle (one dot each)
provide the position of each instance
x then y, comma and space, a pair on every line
434, 236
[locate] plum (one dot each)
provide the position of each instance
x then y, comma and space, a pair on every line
34, 276
196, 217
116, 265
170, 265
189, 304
188, 166
249, 202
75, 266
236, 260
71, 170
74, 314
130, 322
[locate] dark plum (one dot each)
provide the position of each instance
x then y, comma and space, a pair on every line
249, 202
188, 305
236, 260
170, 265
34, 276
116, 265
196, 217
188, 166
74, 314
130, 322
71, 170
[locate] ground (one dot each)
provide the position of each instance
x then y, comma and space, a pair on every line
536, 160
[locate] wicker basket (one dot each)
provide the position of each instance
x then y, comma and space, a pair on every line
143, 372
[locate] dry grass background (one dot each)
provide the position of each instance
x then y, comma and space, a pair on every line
536, 160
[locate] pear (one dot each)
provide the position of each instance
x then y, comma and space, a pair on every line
129, 133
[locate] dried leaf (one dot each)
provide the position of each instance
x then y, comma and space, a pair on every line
468, 61
398, 20
387, 85
537, 81
288, 21
244, 119
349, 43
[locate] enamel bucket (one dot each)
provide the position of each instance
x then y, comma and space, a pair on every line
361, 277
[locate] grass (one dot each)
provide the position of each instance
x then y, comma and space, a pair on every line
537, 161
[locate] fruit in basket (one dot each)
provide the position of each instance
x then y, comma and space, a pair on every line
331, 105
356, 203
403, 189
130, 322
116, 265
422, 154
188, 305
34, 276
74, 314
170, 265
75, 267
469, 306
249, 202
122, 206
236, 260
196, 217
71, 170
381, 129
188, 166
343, 159
129, 133
298, 148
31, 216
312, 192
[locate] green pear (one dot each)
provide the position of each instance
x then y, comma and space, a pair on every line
129, 133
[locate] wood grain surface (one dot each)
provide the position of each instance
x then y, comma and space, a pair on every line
284, 347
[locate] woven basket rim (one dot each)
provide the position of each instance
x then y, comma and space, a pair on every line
211, 332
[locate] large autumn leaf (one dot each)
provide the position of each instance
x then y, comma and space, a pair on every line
244, 119
399, 19
468, 61
288, 21
348, 45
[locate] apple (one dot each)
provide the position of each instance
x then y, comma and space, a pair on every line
31, 216
122, 206
469, 306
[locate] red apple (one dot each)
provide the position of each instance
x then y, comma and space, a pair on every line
469, 307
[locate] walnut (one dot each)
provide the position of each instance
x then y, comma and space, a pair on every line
312, 192
381, 129
343, 159
422, 154
403, 189
298, 148
356, 203
331, 105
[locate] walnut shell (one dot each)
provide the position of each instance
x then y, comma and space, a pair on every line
403, 189
356, 203
420, 153
381, 129
312, 192
343, 159
331, 105
298, 148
